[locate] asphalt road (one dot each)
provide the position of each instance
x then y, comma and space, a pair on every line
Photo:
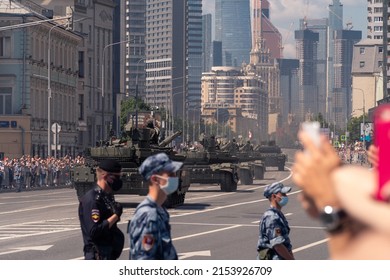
211, 224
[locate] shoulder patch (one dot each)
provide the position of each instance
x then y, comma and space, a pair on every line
95, 215
148, 242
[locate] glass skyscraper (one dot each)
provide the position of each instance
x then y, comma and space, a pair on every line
233, 29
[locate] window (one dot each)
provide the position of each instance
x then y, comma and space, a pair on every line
5, 100
5, 46
380, 50
380, 64
362, 50
362, 64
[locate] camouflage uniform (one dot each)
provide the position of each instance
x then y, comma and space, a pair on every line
150, 233
274, 230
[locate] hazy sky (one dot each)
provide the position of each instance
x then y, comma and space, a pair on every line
287, 12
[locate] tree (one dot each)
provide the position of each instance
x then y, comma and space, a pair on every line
354, 127
129, 106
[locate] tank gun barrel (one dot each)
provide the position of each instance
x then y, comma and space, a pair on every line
170, 139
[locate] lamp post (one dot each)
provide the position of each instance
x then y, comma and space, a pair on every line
102, 82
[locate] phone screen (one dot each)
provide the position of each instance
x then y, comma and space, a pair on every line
382, 141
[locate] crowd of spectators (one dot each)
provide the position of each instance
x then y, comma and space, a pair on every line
34, 172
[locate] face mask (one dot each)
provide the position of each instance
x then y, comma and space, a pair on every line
171, 185
283, 201
116, 184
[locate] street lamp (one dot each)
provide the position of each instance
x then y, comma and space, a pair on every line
102, 82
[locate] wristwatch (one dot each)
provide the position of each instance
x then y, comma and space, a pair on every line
332, 218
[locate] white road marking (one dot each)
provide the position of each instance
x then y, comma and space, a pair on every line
187, 255
31, 248
310, 245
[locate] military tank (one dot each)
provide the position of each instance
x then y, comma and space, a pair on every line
130, 154
212, 166
250, 166
271, 155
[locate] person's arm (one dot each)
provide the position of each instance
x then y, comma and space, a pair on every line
282, 251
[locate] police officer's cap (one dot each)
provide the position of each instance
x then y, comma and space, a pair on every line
158, 163
275, 188
110, 165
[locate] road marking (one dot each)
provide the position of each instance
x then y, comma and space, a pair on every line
224, 207
37, 208
22, 249
310, 245
204, 233
187, 255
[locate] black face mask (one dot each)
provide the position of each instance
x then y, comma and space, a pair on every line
116, 184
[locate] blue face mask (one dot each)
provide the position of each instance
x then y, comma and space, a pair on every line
283, 201
171, 185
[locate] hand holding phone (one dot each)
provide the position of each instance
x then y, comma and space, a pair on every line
382, 141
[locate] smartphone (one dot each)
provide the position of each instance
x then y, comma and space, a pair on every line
313, 130
382, 141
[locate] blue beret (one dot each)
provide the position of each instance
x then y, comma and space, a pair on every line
158, 163
275, 188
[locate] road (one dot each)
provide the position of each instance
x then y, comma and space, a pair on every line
211, 225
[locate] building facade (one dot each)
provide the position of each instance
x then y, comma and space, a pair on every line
232, 25
38, 82
233, 88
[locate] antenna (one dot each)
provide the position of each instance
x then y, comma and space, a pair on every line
305, 12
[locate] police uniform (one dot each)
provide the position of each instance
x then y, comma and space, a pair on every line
100, 241
273, 227
150, 233
274, 230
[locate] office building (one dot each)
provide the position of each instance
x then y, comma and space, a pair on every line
232, 23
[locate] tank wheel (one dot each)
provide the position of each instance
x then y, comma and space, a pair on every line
259, 173
174, 200
228, 184
246, 177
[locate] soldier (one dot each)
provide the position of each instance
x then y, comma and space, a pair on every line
274, 241
99, 214
149, 230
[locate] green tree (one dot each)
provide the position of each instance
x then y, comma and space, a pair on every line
129, 106
354, 127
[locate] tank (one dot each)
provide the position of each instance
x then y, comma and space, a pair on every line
271, 155
210, 165
130, 154
250, 165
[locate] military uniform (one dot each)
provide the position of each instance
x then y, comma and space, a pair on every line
274, 230
150, 233
100, 241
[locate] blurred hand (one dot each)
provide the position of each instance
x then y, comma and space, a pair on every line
312, 168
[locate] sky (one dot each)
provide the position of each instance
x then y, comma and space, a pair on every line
285, 15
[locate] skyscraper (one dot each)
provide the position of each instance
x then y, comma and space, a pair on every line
232, 25
206, 43
307, 42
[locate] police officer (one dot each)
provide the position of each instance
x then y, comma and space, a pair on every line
149, 230
274, 241
99, 214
